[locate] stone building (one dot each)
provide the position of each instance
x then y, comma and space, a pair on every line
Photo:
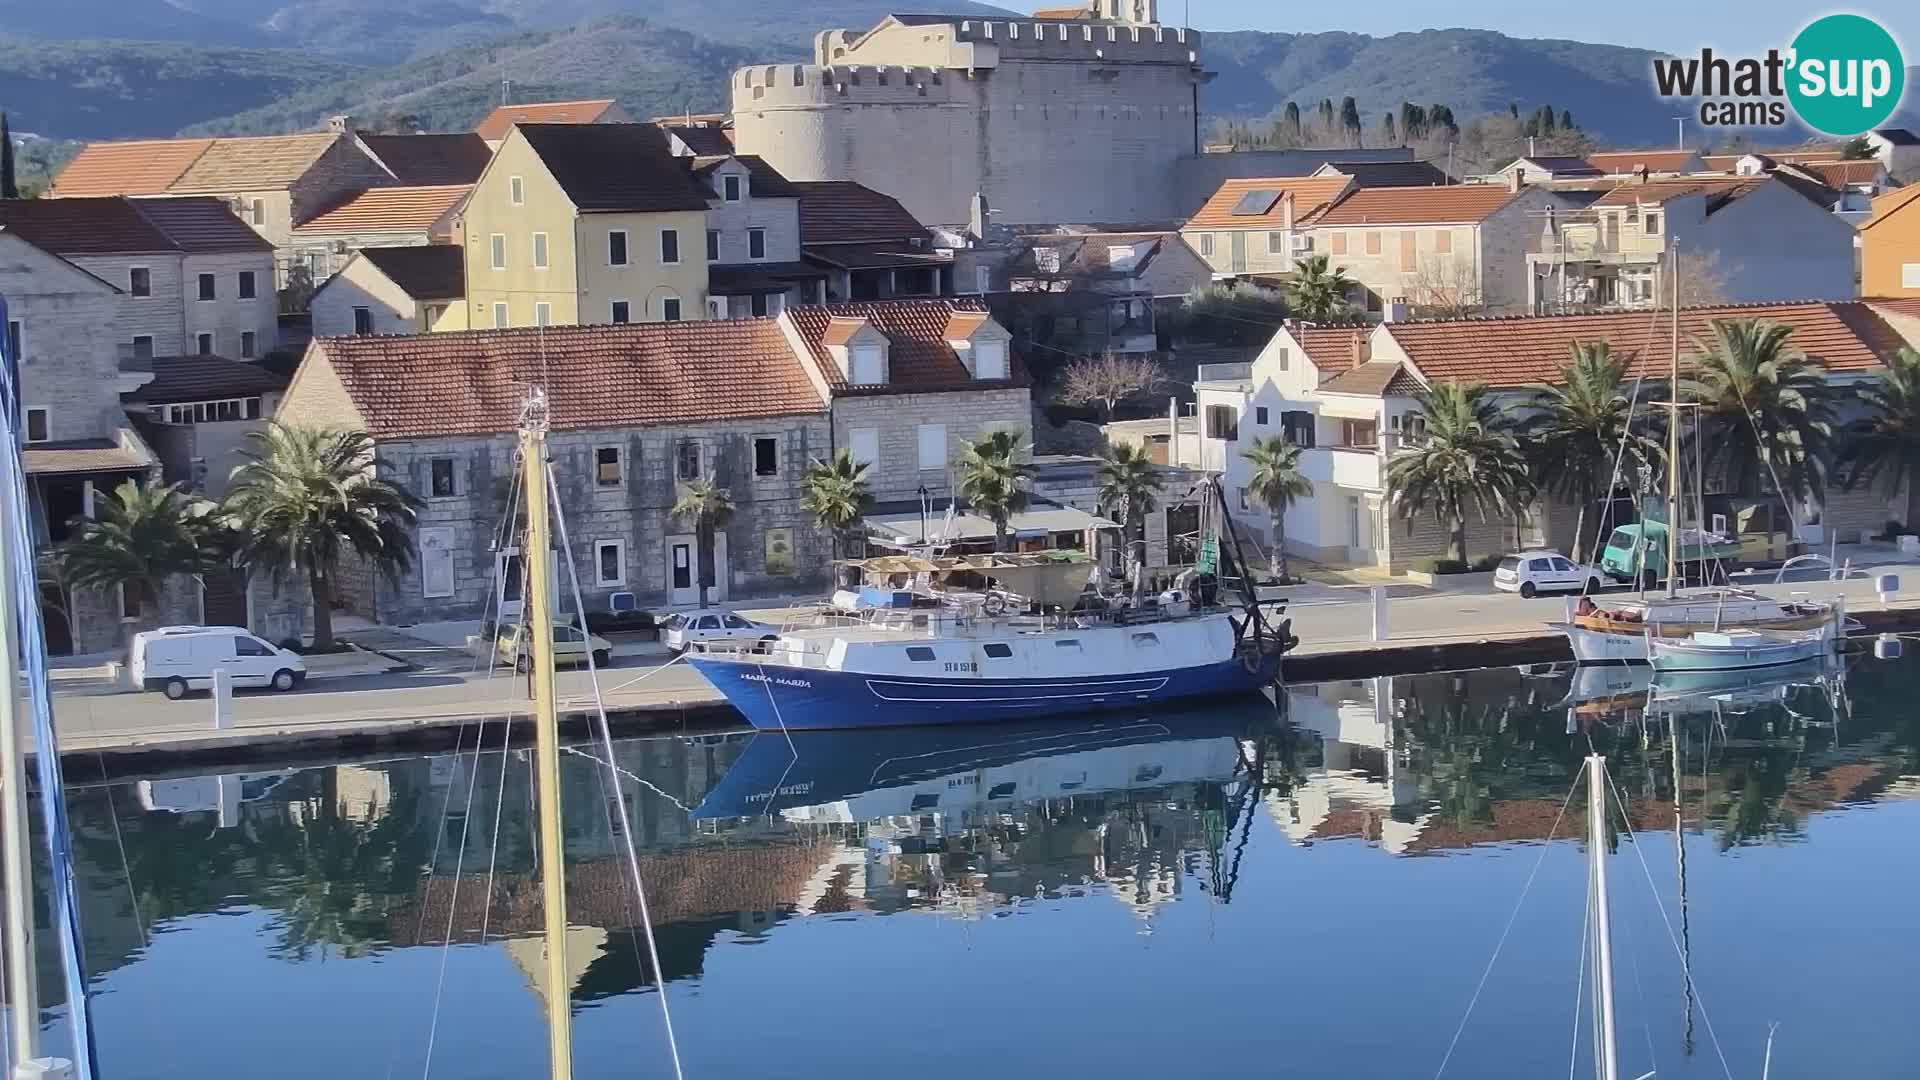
753, 239
272, 182
379, 217
190, 277
1248, 226
637, 412
394, 290
201, 411
870, 247
1077, 116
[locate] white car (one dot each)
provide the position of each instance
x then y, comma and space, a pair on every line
699, 630
1533, 572
176, 659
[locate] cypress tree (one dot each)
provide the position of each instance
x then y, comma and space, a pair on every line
9, 184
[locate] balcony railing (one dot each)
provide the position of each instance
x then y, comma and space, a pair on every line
1225, 373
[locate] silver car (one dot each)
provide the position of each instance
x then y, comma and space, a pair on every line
701, 630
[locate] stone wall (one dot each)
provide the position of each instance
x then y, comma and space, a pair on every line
636, 512
898, 418
158, 315
1052, 122
229, 315
361, 284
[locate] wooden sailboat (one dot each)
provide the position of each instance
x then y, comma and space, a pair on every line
540, 607
1627, 631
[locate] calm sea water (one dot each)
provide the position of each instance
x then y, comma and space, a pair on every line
1245, 891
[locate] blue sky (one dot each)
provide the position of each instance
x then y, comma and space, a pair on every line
1670, 25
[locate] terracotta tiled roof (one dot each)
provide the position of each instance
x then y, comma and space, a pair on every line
1376, 378
918, 358
1092, 253
1560, 166
1727, 162
1331, 348
140, 167
96, 226
763, 180
1656, 192
1453, 205
431, 159
203, 378
1310, 193
201, 223
265, 163
1628, 161
1840, 173
843, 212
1845, 336
615, 168
381, 209
473, 382
501, 120
1390, 173
426, 272
702, 140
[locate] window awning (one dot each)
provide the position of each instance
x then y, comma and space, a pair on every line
81, 456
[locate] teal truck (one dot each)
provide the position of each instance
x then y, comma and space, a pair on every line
1640, 550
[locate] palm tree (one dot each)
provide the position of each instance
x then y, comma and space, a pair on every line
138, 538
304, 498
835, 492
1576, 430
1467, 461
1275, 483
1885, 444
708, 509
1127, 481
1770, 408
1318, 292
991, 474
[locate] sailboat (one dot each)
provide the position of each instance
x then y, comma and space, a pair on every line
23, 652
1627, 631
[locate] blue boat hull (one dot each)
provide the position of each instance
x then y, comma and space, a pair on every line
775, 697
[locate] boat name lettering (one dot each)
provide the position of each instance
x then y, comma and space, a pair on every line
962, 665
777, 681
790, 789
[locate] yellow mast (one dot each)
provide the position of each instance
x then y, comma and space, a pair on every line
537, 565
1673, 429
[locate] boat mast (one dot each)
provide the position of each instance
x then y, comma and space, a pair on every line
1673, 429
22, 991
538, 567
1605, 1065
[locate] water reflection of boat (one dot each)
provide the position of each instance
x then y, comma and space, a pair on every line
1745, 685
864, 776
1606, 688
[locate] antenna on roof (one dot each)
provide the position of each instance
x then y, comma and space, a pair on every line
506, 92
1679, 133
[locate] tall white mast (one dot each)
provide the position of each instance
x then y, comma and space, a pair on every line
1605, 1065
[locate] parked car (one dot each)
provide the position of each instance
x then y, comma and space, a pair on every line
176, 659
1533, 572
700, 629
570, 646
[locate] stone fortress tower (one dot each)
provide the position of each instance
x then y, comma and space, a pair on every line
1074, 115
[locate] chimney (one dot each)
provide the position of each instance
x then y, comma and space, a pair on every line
1395, 310
1642, 174
977, 213
1286, 210
1514, 180
1362, 348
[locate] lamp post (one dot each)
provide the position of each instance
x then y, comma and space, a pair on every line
925, 505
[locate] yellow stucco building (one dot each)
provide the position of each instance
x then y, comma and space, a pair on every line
585, 223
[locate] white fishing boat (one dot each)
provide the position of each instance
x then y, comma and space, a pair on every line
1726, 650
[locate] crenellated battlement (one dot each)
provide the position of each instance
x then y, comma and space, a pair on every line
1078, 38
766, 86
982, 43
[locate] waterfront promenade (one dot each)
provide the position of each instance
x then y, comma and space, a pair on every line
447, 689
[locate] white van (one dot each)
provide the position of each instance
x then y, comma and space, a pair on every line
176, 659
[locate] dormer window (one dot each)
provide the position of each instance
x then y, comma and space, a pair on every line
990, 360
1120, 257
867, 365
730, 187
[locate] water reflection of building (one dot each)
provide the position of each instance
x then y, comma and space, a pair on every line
1363, 786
